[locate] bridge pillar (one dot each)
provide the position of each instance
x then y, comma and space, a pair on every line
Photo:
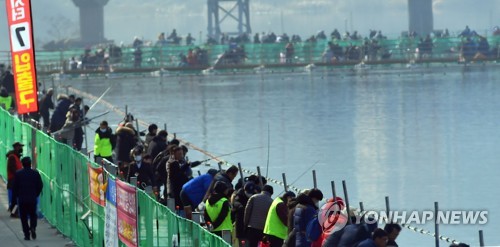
91, 20
234, 12
421, 18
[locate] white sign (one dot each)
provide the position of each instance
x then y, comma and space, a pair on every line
20, 37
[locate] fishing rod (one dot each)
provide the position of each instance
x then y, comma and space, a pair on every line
268, 147
80, 123
228, 154
99, 99
301, 175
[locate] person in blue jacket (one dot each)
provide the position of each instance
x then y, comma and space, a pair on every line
304, 212
192, 192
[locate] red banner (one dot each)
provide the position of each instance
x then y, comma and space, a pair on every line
97, 185
23, 54
126, 206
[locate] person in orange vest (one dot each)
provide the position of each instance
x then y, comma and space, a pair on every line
13, 165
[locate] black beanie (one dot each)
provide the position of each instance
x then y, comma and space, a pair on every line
220, 187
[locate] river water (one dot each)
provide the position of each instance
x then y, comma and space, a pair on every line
417, 135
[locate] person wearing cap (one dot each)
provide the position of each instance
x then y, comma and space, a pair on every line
152, 130
26, 189
193, 191
45, 104
275, 228
104, 142
256, 213
239, 201
218, 209
13, 165
6, 101
304, 212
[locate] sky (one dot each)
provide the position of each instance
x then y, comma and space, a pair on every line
125, 19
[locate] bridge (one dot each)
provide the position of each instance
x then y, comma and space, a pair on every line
234, 12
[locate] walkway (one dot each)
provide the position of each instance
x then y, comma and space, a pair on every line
11, 233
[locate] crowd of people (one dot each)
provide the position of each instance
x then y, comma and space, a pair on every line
367, 48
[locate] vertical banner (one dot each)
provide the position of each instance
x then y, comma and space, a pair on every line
97, 187
110, 231
126, 206
23, 54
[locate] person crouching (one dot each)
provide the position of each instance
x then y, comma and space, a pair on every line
218, 210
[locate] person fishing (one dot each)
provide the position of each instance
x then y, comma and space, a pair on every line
218, 209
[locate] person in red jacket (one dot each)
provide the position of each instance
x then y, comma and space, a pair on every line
13, 165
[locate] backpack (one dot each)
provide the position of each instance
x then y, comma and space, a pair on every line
313, 229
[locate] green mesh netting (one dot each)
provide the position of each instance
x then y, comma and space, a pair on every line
65, 197
168, 56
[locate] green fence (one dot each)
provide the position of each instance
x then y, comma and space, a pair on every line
262, 54
65, 200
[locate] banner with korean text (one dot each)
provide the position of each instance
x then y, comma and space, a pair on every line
97, 187
110, 231
126, 205
23, 54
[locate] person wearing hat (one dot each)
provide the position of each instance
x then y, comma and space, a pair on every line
45, 104
193, 191
26, 189
6, 101
218, 209
256, 213
275, 228
13, 165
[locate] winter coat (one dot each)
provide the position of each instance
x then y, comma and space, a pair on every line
103, 143
175, 180
156, 146
239, 203
59, 115
147, 140
304, 212
144, 174
46, 104
27, 186
126, 140
13, 165
223, 177
256, 210
7, 81
197, 187
67, 132
290, 240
